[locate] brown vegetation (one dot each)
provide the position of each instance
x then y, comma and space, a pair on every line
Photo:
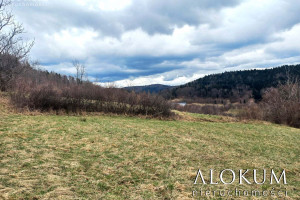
279, 105
212, 109
40, 90
282, 105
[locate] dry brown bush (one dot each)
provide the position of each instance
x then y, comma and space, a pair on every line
279, 105
282, 105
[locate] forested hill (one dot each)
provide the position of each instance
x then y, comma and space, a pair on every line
235, 85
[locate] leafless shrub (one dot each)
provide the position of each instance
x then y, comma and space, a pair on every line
250, 111
282, 105
279, 105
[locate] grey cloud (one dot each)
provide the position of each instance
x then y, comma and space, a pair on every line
253, 26
152, 16
161, 16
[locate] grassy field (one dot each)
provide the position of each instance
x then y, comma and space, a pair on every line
118, 157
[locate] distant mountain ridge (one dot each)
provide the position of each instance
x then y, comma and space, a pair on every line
154, 88
235, 85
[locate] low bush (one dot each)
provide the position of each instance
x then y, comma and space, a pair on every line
282, 105
279, 105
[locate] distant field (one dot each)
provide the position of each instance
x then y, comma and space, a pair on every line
118, 157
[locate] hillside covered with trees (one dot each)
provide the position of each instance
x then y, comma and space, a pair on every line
237, 85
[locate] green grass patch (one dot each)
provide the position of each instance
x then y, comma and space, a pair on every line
118, 157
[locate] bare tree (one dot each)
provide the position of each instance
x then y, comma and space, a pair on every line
80, 71
76, 64
11, 41
13, 49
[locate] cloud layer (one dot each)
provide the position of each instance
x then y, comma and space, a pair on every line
139, 42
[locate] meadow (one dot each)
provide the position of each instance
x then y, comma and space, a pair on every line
101, 156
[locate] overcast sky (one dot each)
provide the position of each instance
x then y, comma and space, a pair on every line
142, 42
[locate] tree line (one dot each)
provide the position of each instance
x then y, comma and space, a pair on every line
236, 85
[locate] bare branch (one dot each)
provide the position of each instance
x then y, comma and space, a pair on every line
10, 32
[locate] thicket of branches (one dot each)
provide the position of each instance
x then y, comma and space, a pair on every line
46, 91
279, 105
282, 105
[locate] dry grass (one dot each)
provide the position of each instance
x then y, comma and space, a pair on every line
194, 117
118, 157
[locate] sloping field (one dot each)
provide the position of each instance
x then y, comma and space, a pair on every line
118, 157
